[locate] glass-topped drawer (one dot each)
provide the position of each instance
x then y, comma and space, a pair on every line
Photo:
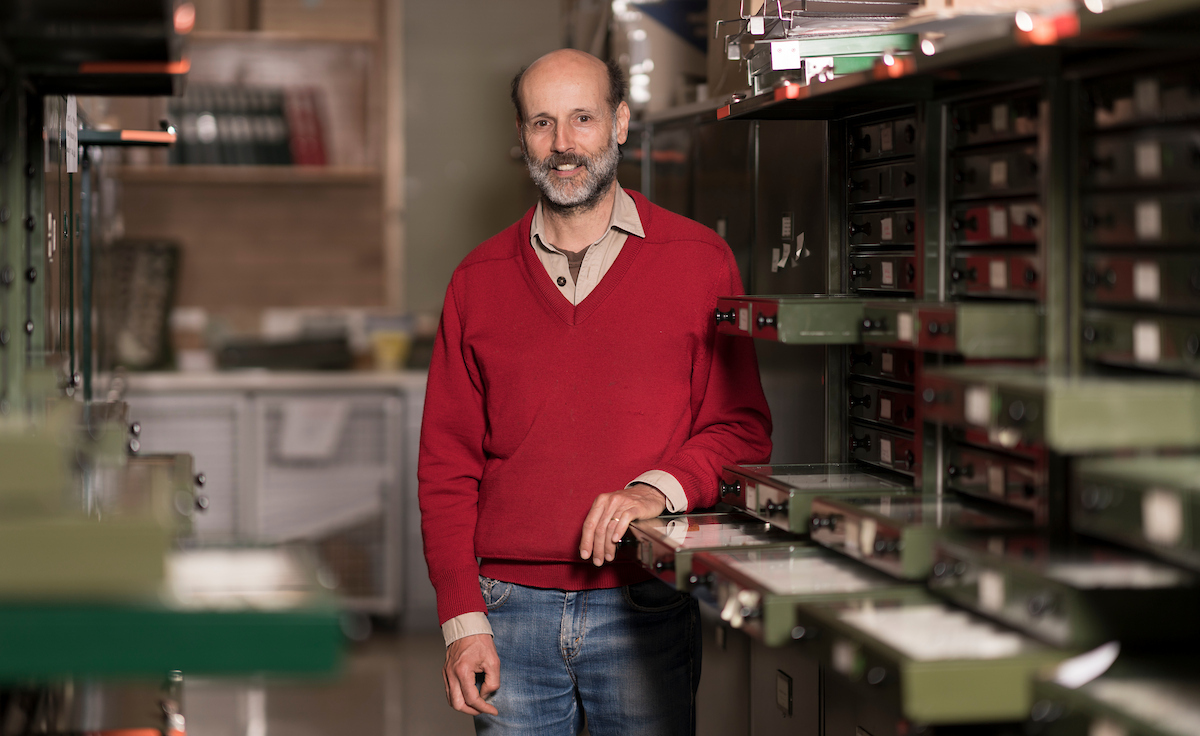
970, 329
896, 534
1151, 503
1069, 415
824, 319
1134, 697
757, 589
665, 544
1079, 597
1150, 341
934, 663
783, 494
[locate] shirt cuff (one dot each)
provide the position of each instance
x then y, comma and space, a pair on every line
666, 484
467, 624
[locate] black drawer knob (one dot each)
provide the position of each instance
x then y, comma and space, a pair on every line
729, 316
870, 324
908, 454
909, 226
909, 178
664, 565
969, 223
861, 359
966, 471
860, 273
910, 133
730, 489
771, 507
860, 443
1031, 221
766, 320
855, 185
856, 228
863, 401
911, 271
876, 676
1030, 276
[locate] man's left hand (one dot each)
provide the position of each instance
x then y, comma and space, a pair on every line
610, 516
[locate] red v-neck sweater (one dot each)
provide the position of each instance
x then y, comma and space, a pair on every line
535, 406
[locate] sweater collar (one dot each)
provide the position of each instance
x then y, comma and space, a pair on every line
551, 296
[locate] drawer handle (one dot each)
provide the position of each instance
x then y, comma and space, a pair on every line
908, 454
767, 320
1040, 604
864, 143
863, 401
1030, 276
944, 328
910, 133
954, 471
775, 508
909, 226
969, 223
829, 522
1031, 221
964, 176
958, 274
854, 185
860, 443
909, 178
912, 272
864, 228
729, 316
869, 324
664, 565
860, 273
863, 358
730, 489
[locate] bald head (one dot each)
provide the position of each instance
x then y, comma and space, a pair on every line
569, 65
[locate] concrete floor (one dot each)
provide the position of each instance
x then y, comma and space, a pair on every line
391, 685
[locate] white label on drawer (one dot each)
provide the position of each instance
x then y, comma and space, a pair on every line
885, 451
1147, 219
977, 407
1145, 96
752, 496
886, 362
885, 228
991, 590
885, 137
851, 536
885, 408
888, 273
1106, 727
904, 326
775, 260
999, 118
1162, 517
995, 480
998, 275
744, 319
1147, 159
998, 222
1147, 342
845, 657
758, 25
998, 174
866, 537
1146, 281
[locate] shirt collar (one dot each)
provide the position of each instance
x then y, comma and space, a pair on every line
624, 217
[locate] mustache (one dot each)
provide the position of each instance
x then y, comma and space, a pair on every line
554, 160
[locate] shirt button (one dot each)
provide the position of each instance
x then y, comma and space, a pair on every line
562, 280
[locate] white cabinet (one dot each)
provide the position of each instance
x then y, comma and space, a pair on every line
323, 459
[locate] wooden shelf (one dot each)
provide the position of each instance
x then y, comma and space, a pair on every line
248, 175
280, 37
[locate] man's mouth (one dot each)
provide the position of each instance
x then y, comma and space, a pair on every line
566, 167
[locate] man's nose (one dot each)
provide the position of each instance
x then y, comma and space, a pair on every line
563, 141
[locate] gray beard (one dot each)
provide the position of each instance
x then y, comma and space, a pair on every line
599, 174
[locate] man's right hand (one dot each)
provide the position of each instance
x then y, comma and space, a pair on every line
465, 658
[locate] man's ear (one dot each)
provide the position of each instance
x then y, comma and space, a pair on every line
622, 122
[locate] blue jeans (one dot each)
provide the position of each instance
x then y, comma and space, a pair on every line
628, 658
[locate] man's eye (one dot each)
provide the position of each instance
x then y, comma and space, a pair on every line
585, 118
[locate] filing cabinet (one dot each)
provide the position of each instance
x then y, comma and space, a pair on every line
666, 545
923, 660
1077, 597
1167, 282
782, 494
1138, 696
1148, 503
896, 534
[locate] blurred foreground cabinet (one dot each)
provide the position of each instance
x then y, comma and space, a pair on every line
324, 458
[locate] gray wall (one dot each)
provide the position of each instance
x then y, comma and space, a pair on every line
462, 183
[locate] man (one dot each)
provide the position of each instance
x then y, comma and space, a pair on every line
577, 384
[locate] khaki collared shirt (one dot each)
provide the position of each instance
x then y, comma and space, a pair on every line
599, 257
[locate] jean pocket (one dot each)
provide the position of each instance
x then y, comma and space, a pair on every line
495, 592
653, 596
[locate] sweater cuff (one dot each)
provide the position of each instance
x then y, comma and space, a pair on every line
468, 624
667, 485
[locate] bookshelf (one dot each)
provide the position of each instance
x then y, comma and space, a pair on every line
258, 237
